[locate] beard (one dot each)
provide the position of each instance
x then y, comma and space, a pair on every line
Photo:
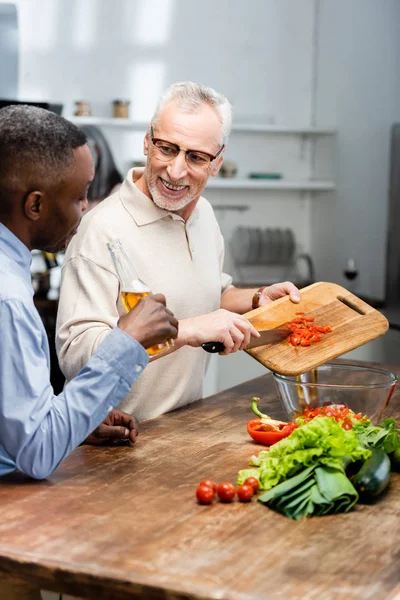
163, 201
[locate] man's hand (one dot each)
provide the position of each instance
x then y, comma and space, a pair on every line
277, 290
232, 329
239, 300
117, 428
150, 322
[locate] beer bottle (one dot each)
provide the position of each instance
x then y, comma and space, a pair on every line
132, 288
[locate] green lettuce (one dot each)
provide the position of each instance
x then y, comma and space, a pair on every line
385, 435
321, 441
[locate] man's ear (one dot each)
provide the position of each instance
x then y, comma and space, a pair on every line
215, 168
146, 144
33, 205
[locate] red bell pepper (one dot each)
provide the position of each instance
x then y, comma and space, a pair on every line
264, 434
304, 332
266, 430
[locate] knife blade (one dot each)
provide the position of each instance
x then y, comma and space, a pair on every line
268, 336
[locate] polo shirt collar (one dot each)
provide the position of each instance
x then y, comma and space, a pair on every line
141, 208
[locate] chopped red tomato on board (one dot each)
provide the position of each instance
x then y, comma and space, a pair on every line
304, 332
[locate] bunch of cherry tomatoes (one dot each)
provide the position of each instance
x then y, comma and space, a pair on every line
225, 491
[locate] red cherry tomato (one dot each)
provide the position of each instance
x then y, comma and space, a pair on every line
226, 492
347, 425
210, 483
253, 481
245, 492
205, 494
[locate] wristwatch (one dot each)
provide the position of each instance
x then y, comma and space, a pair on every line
256, 298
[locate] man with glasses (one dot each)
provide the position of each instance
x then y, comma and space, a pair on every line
171, 234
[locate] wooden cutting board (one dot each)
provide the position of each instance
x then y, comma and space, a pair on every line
353, 323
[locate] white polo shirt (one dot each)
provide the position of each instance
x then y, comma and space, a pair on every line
182, 260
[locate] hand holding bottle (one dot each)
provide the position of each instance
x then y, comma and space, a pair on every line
150, 322
133, 289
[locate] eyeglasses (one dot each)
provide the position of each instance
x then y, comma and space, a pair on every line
195, 159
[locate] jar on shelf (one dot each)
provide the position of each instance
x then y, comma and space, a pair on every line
121, 109
82, 108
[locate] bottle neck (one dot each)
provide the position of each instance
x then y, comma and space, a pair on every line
126, 272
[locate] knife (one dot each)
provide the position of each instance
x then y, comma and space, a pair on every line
268, 336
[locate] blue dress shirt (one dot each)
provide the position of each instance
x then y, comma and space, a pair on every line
38, 429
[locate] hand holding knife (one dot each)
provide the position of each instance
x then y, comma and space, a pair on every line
267, 336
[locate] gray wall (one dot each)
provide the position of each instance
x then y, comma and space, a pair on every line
8, 51
358, 89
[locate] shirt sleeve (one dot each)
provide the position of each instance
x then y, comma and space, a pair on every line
38, 429
85, 317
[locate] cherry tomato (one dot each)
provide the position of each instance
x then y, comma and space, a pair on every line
245, 492
205, 494
210, 483
253, 481
347, 424
226, 492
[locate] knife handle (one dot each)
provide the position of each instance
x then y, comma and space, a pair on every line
213, 347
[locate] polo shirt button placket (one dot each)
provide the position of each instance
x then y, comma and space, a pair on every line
189, 244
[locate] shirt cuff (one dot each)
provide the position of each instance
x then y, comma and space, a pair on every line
124, 354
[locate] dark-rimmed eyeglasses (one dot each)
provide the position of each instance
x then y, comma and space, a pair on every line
195, 159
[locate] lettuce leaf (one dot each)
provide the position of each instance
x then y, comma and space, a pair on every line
385, 435
318, 442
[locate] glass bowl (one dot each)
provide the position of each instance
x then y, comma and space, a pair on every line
363, 389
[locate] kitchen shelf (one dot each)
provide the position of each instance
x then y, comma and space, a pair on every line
270, 184
264, 128
109, 122
236, 127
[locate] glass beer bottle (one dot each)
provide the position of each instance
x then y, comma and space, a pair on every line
132, 288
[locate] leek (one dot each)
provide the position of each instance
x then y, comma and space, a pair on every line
317, 490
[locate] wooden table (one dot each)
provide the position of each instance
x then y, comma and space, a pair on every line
117, 523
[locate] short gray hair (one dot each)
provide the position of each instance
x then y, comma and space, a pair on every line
190, 96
